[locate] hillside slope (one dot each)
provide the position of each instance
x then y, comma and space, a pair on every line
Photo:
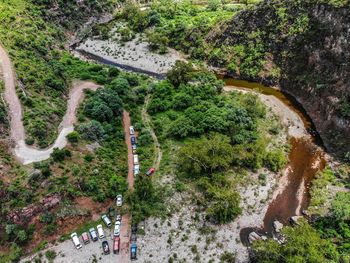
303, 46
33, 34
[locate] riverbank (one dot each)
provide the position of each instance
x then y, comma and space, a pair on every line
132, 55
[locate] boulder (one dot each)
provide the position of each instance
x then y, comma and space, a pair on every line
277, 225
294, 219
253, 236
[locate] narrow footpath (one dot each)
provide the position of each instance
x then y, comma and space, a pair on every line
147, 122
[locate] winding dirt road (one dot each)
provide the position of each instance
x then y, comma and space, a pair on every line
147, 121
24, 153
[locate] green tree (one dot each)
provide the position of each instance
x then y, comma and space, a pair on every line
58, 155
73, 137
157, 41
180, 73
213, 5
303, 245
206, 155
92, 131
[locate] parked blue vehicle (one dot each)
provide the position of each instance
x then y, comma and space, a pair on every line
133, 140
133, 252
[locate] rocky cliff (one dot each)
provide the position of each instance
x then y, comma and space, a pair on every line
304, 46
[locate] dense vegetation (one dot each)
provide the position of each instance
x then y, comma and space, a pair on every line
249, 45
303, 244
35, 47
216, 133
93, 164
180, 25
71, 14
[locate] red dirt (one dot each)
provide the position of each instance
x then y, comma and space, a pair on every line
95, 209
126, 219
127, 124
70, 223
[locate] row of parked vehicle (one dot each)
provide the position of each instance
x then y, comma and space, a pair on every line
136, 157
99, 234
133, 148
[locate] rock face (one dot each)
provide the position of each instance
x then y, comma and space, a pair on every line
308, 42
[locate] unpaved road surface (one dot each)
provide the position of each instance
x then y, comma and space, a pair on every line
147, 121
23, 152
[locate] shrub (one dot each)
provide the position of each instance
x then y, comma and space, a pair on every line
58, 155
50, 255
92, 131
275, 160
73, 137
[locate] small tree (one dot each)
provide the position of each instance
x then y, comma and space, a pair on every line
73, 137
180, 73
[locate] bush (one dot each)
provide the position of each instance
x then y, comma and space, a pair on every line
73, 137
275, 160
58, 155
303, 245
50, 255
92, 131
341, 206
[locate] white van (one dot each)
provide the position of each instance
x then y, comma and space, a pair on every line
132, 131
136, 169
136, 159
76, 241
100, 232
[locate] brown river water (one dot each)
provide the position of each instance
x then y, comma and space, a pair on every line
306, 158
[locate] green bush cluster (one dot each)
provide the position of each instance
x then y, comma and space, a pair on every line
216, 132
146, 199
303, 244
180, 25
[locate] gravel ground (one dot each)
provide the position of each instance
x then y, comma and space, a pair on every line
134, 53
67, 253
187, 237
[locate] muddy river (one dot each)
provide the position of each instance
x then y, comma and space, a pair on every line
306, 158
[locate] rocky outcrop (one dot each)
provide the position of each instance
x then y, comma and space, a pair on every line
308, 42
24, 215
